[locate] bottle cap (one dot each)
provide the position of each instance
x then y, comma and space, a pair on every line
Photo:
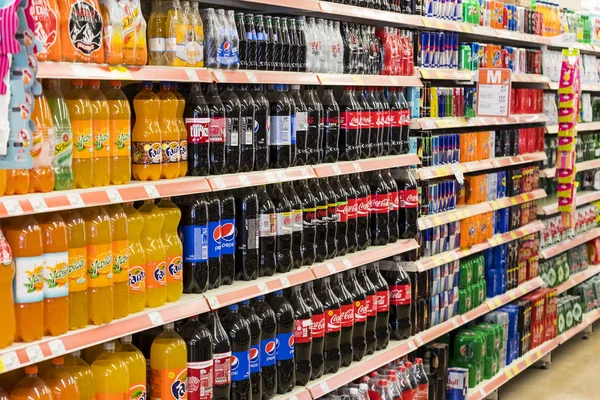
233, 307
95, 83
31, 369
245, 302
353, 390
126, 339
58, 361
278, 292
109, 346
115, 83
170, 326
76, 82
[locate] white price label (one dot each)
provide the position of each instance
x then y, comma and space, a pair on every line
192, 75
10, 361
152, 191
213, 302
13, 207
75, 200
331, 268
347, 263
251, 77
281, 175
271, 177
57, 347
454, 322
245, 181
38, 204
156, 318
34, 353
336, 169
285, 282
294, 398
458, 174
357, 167
219, 183
263, 287
114, 196
325, 387
420, 341
482, 392
304, 173
219, 75
412, 346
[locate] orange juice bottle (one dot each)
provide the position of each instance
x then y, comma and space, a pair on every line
84, 45
146, 138
112, 24
7, 311
111, 375
168, 366
137, 259
156, 282
182, 131
31, 387
56, 274
61, 382
42, 150
120, 134
136, 364
80, 114
120, 250
78, 301
3, 181
167, 118
25, 239
173, 248
134, 33
47, 29
98, 232
101, 135
82, 373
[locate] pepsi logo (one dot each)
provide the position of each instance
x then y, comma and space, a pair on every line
291, 341
256, 126
235, 363
226, 45
270, 348
254, 353
217, 234
228, 232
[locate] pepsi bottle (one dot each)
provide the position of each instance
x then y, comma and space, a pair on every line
199, 358
284, 314
302, 336
296, 204
371, 301
321, 221
280, 111
227, 237
214, 240
194, 233
331, 217
347, 312
233, 116
266, 233
268, 346
351, 212
292, 127
197, 122
261, 129
221, 349
309, 214
333, 327
359, 297
248, 113
255, 340
283, 227
318, 329
216, 130
246, 238
238, 331
382, 330
341, 215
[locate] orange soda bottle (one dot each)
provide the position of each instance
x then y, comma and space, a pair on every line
101, 135
111, 375
182, 130
156, 288
112, 22
3, 181
78, 300
42, 149
98, 232
3, 395
7, 311
120, 250
31, 387
168, 365
134, 33
56, 274
173, 248
167, 118
17, 181
82, 373
80, 114
136, 364
25, 239
120, 134
137, 259
61, 382
146, 138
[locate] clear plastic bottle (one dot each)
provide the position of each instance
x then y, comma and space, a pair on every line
211, 37
198, 28
178, 28
157, 34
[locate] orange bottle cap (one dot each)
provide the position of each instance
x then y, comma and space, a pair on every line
58, 360
76, 82
115, 83
31, 369
94, 83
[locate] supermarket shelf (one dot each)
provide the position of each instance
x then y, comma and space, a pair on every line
581, 127
298, 393
328, 383
585, 87
256, 178
578, 278
368, 80
427, 263
447, 74
582, 166
471, 210
337, 10
588, 319
263, 77
370, 164
461, 122
549, 206
569, 244
473, 166
529, 78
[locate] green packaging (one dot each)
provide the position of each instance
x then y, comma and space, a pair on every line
465, 273
468, 346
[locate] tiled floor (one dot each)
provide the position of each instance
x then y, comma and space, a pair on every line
573, 374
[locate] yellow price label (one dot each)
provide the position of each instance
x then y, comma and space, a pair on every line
509, 374
498, 302
437, 220
357, 79
515, 369
539, 354
2, 366
528, 361
513, 200
513, 235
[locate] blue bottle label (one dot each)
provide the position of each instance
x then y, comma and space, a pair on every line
293, 128
214, 239
268, 352
240, 365
227, 237
255, 359
195, 243
285, 346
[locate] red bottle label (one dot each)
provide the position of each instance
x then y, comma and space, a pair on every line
318, 325
347, 315
361, 310
405, 115
216, 130
350, 120
352, 208
394, 201
222, 368
200, 380
399, 295
366, 120
422, 392
197, 130
379, 203
333, 320
408, 198
371, 305
408, 394
383, 301
395, 118
386, 119
302, 330
342, 212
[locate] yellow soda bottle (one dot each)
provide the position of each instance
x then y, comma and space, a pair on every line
182, 131
98, 233
120, 250
173, 248
61, 382
80, 114
56, 274
146, 137
137, 259
168, 366
156, 282
101, 135
120, 135
82, 373
91, 353
78, 300
170, 131
111, 375
136, 364
31, 387
7, 311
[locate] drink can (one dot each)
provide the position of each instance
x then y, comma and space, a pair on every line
474, 56
510, 57
442, 50
522, 61
425, 52
454, 58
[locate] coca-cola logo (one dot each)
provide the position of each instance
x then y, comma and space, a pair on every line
310, 216
343, 209
298, 218
322, 213
363, 207
332, 120
377, 204
361, 311
335, 321
348, 315
287, 220
318, 326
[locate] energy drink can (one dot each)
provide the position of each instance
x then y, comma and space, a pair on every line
475, 60
465, 60
425, 51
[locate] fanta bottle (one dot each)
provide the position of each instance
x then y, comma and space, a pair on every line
80, 114
56, 274
120, 134
61, 382
146, 138
98, 234
120, 250
137, 259
82, 373
42, 150
25, 239
136, 364
182, 130
7, 311
78, 300
154, 248
31, 387
3, 181
101, 135
167, 118
111, 375
168, 366
173, 248
10, 378
47, 29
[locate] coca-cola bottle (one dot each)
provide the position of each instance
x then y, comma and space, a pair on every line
283, 227
314, 115
333, 327
267, 227
371, 302
233, 124
396, 122
331, 217
347, 310
359, 297
386, 119
248, 113
296, 204
376, 123
302, 48
199, 357
247, 236
321, 220
422, 380
350, 127
300, 125
380, 210
281, 128
367, 124
400, 297
302, 336
382, 330
409, 202
331, 129
318, 329
351, 212
394, 205
341, 215
363, 227
309, 224
197, 121
216, 130
261, 129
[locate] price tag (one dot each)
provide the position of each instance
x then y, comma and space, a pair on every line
293, 397
219, 183
38, 204
420, 341
358, 80
509, 374
34, 353
304, 173
152, 191
156, 318
513, 201
271, 177
213, 302
482, 392
192, 75
412, 346
245, 181
458, 174
324, 387
512, 295
454, 323
331, 268
13, 207
347, 263
57, 347
357, 167
285, 282
9, 361
437, 221
394, 81
251, 77
263, 287
79, 71
281, 175
336, 169
515, 370
219, 75
493, 92
75, 200
114, 196
513, 235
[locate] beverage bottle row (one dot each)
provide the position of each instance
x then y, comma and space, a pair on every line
401, 6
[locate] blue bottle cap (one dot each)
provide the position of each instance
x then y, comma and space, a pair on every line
233, 307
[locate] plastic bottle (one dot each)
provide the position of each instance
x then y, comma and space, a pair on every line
101, 135
84, 46
80, 114
111, 375
178, 27
182, 131
56, 274
157, 34
168, 365
120, 251
198, 28
173, 248
137, 259
7, 311
167, 119
47, 29
156, 289
31, 387
82, 373
42, 150
120, 134
199, 359
112, 31
146, 138
135, 51
61, 382
25, 239
136, 365
98, 231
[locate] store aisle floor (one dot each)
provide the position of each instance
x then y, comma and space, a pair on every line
560, 382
